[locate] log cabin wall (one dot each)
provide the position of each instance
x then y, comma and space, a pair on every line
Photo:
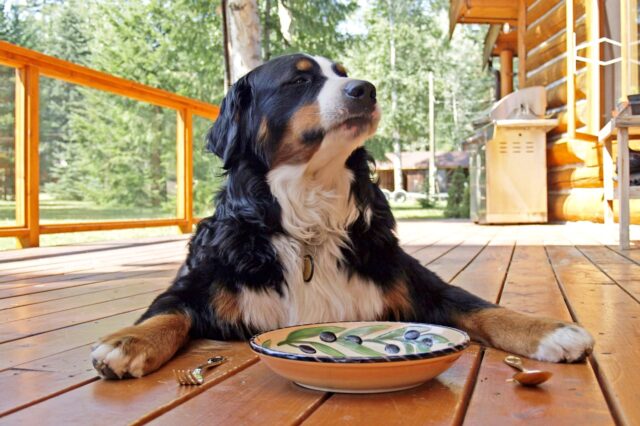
574, 177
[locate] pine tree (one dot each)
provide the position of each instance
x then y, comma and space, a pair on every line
458, 195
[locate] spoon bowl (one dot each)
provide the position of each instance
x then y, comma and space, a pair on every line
526, 377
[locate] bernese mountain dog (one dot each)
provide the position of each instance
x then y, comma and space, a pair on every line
302, 234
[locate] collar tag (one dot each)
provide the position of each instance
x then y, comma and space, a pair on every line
308, 268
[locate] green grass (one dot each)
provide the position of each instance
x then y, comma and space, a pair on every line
413, 210
84, 211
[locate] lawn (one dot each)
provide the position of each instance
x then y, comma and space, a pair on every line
83, 211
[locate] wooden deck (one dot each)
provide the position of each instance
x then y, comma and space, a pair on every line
54, 302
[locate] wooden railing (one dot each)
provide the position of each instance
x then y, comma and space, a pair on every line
29, 66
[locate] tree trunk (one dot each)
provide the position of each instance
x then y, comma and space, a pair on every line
243, 25
397, 145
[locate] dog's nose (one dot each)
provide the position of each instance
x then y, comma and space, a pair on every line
360, 90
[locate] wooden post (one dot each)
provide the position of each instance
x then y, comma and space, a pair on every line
628, 38
594, 86
571, 71
27, 160
184, 169
506, 72
432, 139
522, 50
623, 186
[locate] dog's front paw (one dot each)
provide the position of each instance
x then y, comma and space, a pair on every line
568, 343
120, 356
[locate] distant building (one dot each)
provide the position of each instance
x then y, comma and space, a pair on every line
415, 166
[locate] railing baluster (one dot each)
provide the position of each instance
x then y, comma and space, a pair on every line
184, 169
27, 161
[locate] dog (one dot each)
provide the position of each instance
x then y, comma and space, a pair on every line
302, 234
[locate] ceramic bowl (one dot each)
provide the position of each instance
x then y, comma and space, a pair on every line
360, 357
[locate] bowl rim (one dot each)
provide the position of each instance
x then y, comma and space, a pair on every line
360, 360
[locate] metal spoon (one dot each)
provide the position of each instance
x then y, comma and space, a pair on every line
526, 377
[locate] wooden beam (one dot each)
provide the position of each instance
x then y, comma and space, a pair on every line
594, 80
184, 169
540, 9
522, 50
53, 67
571, 69
552, 24
506, 73
27, 159
554, 46
550, 72
58, 228
628, 38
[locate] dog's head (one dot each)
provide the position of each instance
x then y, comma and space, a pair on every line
295, 109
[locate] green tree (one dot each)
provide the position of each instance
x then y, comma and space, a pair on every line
458, 195
422, 44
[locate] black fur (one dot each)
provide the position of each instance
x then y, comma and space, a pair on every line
233, 249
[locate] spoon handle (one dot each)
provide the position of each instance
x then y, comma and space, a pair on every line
514, 362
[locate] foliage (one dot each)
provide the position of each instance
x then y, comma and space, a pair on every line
427, 201
117, 152
422, 45
458, 195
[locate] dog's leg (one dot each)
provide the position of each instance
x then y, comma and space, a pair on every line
142, 348
540, 338
534, 337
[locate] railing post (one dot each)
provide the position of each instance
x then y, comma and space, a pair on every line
27, 160
184, 169
571, 70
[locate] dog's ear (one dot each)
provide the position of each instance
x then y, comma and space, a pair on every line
228, 137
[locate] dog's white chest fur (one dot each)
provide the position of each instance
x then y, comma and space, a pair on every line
315, 221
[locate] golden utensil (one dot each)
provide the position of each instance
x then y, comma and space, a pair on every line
526, 377
194, 376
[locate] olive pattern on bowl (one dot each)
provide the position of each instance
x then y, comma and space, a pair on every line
364, 342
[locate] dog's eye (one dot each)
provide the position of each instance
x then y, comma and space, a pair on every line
298, 81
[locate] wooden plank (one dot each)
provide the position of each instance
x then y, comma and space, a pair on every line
47, 344
128, 401
617, 267
115, 291
614, 319
56, 282
253, 396
72, 73
42, 253
21, 329
75, 261
35, 381
439, 401
35, 301
449, 265
572, 396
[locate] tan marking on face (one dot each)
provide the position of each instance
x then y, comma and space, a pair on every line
397, 303
226, 306
292, 149
304, 65
156, 339
506, 329
341, 69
